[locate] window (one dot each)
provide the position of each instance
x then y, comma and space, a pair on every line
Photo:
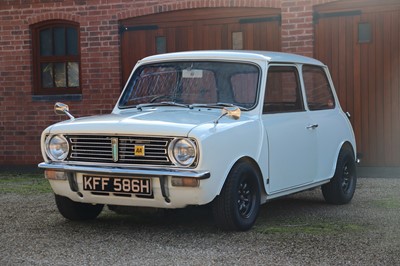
237, 40
283, 92
56, 58
364, 33
161, 44
193, 82
241, 84
318, 89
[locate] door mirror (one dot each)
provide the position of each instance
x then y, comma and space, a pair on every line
233, 113
61, 109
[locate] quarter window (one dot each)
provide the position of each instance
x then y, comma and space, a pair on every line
317, 87
56, 58
283, 93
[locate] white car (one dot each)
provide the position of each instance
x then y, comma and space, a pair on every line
230, 128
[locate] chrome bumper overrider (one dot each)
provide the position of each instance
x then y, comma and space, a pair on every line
162, 174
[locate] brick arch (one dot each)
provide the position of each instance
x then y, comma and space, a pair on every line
190, 4
53, 16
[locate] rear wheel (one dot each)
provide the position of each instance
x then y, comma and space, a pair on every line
341, 188
237, 207
77, 211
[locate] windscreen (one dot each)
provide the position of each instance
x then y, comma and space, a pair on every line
193, 83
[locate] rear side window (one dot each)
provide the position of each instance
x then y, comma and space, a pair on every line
283, 93
318, 90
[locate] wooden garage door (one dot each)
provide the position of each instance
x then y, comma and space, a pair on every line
199, 29
360, 43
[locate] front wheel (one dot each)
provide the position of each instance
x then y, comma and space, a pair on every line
341, 188
76, 211
238, 205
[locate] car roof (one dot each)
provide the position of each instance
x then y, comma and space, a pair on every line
271, 57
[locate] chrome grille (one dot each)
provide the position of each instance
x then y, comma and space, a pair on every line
86, 148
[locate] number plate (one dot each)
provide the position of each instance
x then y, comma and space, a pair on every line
138, 186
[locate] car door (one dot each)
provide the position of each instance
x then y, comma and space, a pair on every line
292, 139
325, 112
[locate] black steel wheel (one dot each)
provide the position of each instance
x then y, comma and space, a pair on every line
237, 206
247, 198
341, 188
77, 211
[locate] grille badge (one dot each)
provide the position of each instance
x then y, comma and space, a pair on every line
139, 150
114, 145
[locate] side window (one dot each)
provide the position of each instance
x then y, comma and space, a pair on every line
283, 93
56, 58
317, 87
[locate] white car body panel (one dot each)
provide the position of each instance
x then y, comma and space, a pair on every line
294, 161
290, 156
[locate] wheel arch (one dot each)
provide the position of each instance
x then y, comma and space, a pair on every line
238, 203
348, 145
345, 145
254, 164
342, 185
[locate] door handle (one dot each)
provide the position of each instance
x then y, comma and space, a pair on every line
314, 126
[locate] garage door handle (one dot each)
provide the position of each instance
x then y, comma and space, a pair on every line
312, 126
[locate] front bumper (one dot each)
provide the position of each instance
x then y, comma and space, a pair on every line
161, 174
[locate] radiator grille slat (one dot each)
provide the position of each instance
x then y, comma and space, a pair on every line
99, 149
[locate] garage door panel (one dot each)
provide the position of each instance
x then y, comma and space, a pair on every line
135, 48
395, 74
248, 30
211, 37
184, 39
366, 76
170, 39
391, 83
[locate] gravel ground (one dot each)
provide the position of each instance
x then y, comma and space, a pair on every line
296, 230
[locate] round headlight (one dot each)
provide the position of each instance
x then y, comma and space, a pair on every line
57, 148
183, 152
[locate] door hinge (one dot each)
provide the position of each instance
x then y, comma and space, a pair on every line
318, 15
123, 28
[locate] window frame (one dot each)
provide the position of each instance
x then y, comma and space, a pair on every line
38, 59
300, 97
320, 107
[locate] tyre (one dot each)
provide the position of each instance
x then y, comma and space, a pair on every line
76, 211
341, 188
237, 206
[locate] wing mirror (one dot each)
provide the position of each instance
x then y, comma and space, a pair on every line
233, 113
61, 109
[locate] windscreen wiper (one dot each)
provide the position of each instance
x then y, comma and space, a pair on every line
216, 105
140, 106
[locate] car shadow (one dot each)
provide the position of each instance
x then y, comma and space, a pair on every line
200, 218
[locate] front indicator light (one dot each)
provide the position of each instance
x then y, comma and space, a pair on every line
185, 182
55, 175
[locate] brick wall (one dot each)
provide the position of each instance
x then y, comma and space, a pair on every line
297, 25
23, 117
